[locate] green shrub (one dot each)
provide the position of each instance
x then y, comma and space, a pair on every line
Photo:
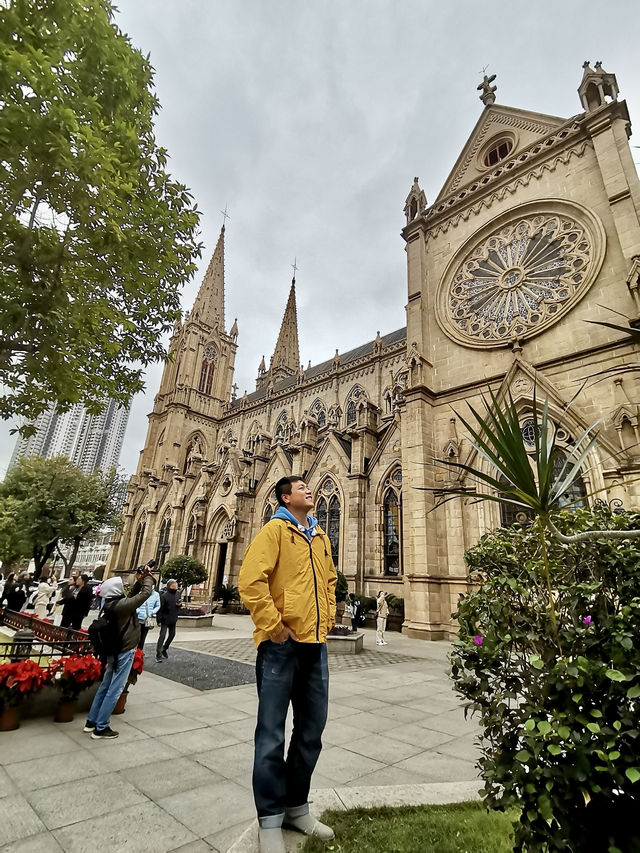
342, 588
396, 605
185, 569
226, 593
560, 728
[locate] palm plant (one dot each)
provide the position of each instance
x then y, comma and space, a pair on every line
540, 489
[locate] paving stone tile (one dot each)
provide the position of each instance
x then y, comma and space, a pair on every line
41, 772
171, 724
18, 820
385, 749
343, 766
221, 841
435, 767
163, 778
239, 729
115, 756
449, 723
415, 734
145, 711
229, 761
365, 722
41, 745
127, 734
400, 714
199, 846
6, 783
71, 802
141, 828
199, 740
338, 732
362, 702
338, 711
392, 775
210, 808
465, 747
43, 842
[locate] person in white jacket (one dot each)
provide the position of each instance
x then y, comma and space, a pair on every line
46, 588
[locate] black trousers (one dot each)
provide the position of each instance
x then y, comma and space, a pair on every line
143, 634
167, 633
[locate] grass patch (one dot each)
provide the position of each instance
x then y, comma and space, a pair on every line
454, 828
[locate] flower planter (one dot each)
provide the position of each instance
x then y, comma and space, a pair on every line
65, 711
10, 719
120, 704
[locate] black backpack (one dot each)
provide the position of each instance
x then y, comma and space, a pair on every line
104, 635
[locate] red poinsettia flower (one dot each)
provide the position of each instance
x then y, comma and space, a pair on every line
138, 661
19, 678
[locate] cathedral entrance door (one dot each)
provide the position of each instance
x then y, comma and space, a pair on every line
222, 559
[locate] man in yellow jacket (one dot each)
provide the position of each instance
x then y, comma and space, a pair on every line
287, 581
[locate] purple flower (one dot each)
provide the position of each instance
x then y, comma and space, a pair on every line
477, 640
587, 620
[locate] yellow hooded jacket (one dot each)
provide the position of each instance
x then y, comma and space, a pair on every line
286, 577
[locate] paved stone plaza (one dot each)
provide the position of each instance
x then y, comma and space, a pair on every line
179, 776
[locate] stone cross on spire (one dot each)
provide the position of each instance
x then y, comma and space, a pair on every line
286, 356
488, 95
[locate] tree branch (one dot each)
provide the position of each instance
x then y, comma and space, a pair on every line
590, 535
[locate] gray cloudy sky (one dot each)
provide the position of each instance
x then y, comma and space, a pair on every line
310, 119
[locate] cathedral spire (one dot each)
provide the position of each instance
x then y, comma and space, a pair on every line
286, 356
209, 305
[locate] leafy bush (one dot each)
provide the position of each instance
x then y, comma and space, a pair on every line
342, 588
185, 569
226, 594
396, 605
560, 724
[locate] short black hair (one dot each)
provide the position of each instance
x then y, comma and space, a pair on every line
283, 487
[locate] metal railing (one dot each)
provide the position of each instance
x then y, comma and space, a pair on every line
35, 632
30, 648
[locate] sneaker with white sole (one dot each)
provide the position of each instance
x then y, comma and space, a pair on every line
89, 727
271, 840
104, 734
310, 825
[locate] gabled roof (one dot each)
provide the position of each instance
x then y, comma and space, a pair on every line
316, 370
522, 126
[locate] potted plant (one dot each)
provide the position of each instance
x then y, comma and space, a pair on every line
17, 681
72, 675
136, 669
226, 593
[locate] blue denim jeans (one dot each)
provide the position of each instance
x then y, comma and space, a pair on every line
295, 673
112, 685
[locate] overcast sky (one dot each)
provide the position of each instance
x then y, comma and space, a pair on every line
309, 119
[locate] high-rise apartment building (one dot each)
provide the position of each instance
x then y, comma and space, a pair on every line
89, 441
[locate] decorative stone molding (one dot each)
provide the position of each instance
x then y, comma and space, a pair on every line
520, 273
633, 283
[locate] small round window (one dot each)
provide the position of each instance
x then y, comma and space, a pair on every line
497, 152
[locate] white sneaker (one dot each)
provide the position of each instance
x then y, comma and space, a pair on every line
308, 824
271, 840
384, 643
378, 643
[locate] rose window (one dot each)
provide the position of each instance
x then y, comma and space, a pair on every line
521, 278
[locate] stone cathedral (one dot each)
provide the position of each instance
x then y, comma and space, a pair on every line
535, 232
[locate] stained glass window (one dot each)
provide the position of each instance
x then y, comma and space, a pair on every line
392, 529
267, 513
206, 376
163, 542
328, 515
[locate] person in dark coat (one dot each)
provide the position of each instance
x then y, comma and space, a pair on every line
16, 594
68, 596
167, 618
80, 605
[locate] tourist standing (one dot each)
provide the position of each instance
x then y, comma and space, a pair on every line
287, 581
167, 617
382, 612
147, 615
122, 611
46, 588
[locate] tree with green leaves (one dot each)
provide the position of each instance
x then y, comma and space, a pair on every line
185, 569
51, 501
96, 237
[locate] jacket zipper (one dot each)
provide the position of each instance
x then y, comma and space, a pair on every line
315, 590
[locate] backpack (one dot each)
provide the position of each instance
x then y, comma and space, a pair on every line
104, 635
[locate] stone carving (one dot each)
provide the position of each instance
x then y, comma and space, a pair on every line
519, 279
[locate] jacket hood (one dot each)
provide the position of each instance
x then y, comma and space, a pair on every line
112, 588
285, 515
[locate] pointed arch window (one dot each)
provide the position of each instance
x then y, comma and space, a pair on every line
267, 513
163, 542
281, 429
392, 530
137, 544
319, 411
207, 369
356, 395
191, 535
328, 513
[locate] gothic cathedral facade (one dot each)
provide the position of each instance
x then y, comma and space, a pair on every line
535, 233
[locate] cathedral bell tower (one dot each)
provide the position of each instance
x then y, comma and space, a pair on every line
197, 377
